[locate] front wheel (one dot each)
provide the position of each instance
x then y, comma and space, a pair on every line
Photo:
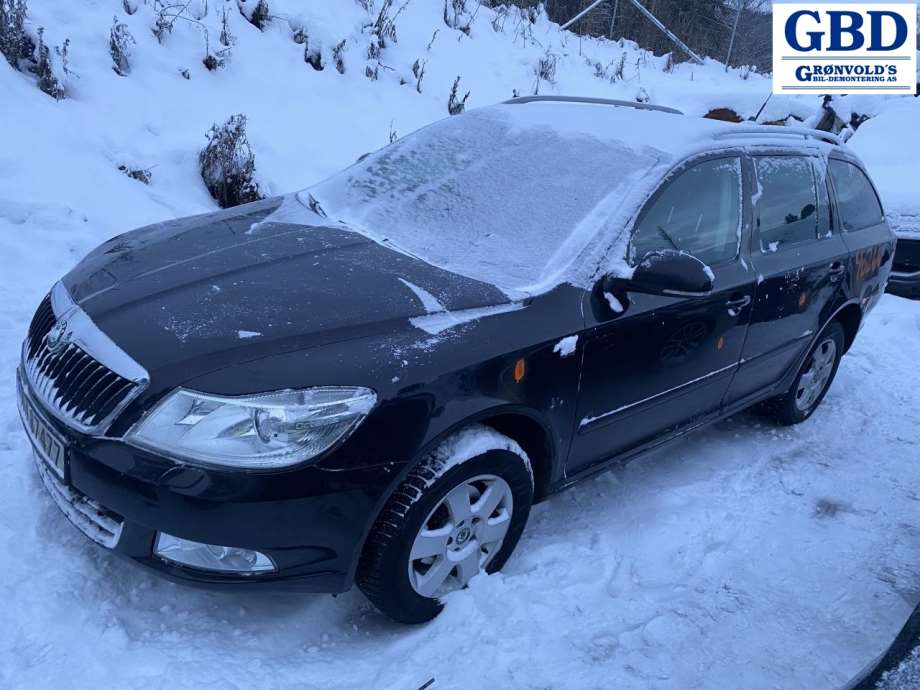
813, 380
461, 512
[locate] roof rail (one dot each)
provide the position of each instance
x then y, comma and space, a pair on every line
597, 101
777, 130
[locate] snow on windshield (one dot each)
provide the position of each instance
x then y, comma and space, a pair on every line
497, 194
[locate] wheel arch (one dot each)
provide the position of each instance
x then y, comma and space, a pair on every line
523, 425
850, 317
534, 438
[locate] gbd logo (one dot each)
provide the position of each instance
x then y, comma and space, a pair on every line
846, 30
844, 48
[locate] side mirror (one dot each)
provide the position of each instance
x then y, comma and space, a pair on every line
665, 272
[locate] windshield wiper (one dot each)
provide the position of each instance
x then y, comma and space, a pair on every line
314, 205
664, 233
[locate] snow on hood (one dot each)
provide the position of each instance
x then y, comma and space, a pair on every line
522, 196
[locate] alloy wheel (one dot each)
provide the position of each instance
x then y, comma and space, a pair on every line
815, 378
463, 532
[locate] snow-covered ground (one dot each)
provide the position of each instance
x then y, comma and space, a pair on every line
746, 556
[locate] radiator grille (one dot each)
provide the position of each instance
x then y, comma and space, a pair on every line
70, 382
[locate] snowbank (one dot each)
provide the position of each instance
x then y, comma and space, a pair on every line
889, 145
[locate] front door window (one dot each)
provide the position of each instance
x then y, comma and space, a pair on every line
698, 212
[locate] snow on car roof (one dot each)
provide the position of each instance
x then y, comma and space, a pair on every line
522, 196
635, 128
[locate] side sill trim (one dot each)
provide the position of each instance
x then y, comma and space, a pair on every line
588, 421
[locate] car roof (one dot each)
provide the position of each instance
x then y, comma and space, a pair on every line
699, 134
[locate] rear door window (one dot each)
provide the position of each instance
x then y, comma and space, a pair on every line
786, 199
857, 203
699, 212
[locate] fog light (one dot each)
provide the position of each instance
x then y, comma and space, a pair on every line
221, 559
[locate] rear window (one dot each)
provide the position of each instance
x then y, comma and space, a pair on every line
786, 201
857, 204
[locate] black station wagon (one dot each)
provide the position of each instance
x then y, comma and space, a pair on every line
372, 380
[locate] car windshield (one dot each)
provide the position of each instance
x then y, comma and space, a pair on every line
499, 194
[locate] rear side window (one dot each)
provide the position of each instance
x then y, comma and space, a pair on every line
857, 203
699, 212
786, 201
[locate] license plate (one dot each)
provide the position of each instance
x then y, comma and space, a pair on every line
49, 448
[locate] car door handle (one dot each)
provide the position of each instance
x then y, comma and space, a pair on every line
836, 270
739, 302
736, 304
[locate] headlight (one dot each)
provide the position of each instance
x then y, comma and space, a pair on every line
259, 431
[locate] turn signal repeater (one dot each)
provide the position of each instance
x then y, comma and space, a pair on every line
519, 370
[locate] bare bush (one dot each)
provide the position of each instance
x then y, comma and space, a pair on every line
13, 39
120, 42
213, 62
500, 17
619, 69
162, 25
457, 16
227, 164
227, 38
338, 57
523, 14
546, 67
256, 12
384, 27
168, 13
383, 32
312, 55
418, 71
669, 63
144, 175
545, 70
51, 67
456, 105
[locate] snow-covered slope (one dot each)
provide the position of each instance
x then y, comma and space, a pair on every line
303, 124
745, 557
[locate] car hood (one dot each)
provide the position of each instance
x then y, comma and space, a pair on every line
202, 293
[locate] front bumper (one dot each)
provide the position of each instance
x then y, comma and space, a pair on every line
311, 522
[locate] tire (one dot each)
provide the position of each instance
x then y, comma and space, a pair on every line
801, 400
475, 464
